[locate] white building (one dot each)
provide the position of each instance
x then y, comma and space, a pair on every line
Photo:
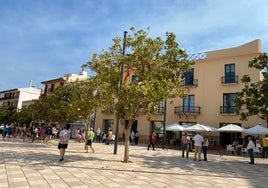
16, 97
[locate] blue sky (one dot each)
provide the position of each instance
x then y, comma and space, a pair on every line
46, 39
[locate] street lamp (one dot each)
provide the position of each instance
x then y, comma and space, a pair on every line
121, 82
164, 123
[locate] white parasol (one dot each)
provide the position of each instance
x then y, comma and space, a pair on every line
200, 127
257, 129
175, 127
231, 128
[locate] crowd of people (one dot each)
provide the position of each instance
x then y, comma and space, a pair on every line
31, 132
201, 145
47, 133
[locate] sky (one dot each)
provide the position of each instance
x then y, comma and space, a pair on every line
42, 40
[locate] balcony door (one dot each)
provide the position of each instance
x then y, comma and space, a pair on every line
229, 105
230, 73
189, 78
188, 104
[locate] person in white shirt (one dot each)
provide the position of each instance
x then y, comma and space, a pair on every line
198, 141
98, 133
64, 140
250, 149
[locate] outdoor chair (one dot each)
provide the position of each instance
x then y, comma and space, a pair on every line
230, 148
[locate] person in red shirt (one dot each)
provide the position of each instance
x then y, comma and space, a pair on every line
151, 141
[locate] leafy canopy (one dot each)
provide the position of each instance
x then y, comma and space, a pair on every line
156, 64
253, 99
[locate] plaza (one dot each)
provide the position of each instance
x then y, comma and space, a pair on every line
26, 164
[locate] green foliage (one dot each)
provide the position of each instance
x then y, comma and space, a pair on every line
157, 65
69, 103
253, 99
23, 116
7, 114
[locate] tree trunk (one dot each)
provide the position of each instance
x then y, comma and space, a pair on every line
127, 135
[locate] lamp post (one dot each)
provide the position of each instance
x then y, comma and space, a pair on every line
164, 123
121, 82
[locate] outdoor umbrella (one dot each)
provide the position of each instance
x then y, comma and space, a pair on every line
231, 128
199, 128
257, 129
175, 127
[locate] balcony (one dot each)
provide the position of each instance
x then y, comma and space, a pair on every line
187, 83
229, 110
51, 89
161, 110
188, 110
108, 111
227, 80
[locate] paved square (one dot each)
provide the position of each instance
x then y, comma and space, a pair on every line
25, 164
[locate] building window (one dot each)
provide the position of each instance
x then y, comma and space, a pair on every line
161, 109
229, 105
189, 78
230, 73
188, 104
52, 87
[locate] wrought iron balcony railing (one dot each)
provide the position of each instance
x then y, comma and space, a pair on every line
229, 79
186, 83
229, 110
195, 110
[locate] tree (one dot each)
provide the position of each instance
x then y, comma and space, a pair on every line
23, 116
75, 101
253, 99
157, 65
7, 113
69, 103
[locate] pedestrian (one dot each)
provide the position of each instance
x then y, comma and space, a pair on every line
34, 133
98, 132
109, 136
5, 129
64, 140
9, 132
90, 138
185, 142
205, 148
132, 137
250, 149
151, 141
198, 141
137, 135
265, 147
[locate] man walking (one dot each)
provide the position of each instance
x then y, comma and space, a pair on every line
90, 138
64, 140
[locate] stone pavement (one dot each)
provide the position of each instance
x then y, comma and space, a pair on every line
25, 164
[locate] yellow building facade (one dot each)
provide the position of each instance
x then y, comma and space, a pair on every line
212, 83
51, 85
